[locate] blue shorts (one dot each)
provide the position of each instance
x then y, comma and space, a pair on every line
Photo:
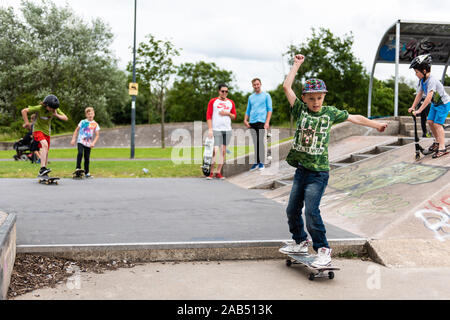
439, 113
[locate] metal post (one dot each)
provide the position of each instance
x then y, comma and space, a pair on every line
445, 71
397, 62
133, 103
369, 100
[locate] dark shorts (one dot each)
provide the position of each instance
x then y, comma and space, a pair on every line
222, 138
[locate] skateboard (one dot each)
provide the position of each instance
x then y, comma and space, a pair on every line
306, 260
78, 174
419, 148
266, 143
207, 156
48, 180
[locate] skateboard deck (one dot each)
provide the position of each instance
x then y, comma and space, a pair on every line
306, 260
48, 180
207, 156
78, 174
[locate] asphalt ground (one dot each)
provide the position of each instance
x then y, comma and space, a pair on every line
132, 211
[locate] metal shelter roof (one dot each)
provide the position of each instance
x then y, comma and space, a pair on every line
405, 40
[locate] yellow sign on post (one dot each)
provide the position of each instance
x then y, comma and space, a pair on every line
133, 89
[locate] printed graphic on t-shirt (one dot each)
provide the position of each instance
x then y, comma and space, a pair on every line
86, 133
219, 122
311, 133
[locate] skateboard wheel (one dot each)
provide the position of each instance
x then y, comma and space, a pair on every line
288, 262
331, 275
56, 182
311, 276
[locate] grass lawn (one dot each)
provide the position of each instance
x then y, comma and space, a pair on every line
118, 169
140, 153
104, 169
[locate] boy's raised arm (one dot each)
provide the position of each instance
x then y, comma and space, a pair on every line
289, 81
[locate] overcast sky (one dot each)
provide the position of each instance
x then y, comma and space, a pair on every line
248, 37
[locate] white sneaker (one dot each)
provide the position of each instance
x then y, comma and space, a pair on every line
301, 248
323, 258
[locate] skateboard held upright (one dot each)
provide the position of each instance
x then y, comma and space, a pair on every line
207, 156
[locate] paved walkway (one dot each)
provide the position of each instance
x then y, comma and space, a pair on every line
254, 280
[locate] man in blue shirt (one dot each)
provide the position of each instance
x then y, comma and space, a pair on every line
257, 119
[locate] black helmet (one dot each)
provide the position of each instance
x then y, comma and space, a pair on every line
51, 101
422, 62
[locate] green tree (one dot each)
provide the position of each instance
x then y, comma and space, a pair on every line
15, 52
331, 59
281, 108
382, 99
155, 67
195, 85
406, 95
56, 52
447, 80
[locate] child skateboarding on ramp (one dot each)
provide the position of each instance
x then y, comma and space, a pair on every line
309, 155
435, 94
45, 112
84, 134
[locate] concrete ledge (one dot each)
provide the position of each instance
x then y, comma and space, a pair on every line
6, 145
199, 251
243, 163
410, 253
7, 251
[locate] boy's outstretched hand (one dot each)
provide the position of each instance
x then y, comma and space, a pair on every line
382, 127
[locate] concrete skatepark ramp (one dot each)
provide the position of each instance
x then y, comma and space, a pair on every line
391, 196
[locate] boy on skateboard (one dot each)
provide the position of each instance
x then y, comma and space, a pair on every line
221, 111
45, 112
309, 155
84, 133
429, 86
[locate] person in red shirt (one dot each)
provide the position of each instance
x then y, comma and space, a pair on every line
221, 111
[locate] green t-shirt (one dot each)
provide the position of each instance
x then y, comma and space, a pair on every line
310, 148
43, 118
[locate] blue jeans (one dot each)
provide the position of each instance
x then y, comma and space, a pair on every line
307, 191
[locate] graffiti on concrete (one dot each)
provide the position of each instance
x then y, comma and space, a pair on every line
373, 204
411, 47
361, 180
437, 221
367, 185
436, 217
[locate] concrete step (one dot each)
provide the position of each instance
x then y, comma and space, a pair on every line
410, 126
410, 133
405, 120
